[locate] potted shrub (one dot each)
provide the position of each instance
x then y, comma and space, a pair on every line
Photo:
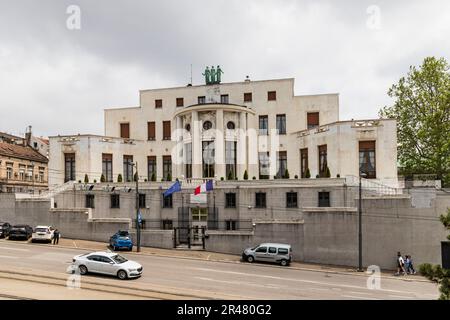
119, 178
254, 178
86, 178
245, 175
102, 178
222, 178
296, 176
153, 178
308, 173
327, 173
169, 176
230, 176
136, 177
286, 174
317, 176
338, 175
95, 180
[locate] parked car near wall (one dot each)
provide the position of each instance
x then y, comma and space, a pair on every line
5, 227
121, 240
269, 252
20, 231
43, 233
109, 263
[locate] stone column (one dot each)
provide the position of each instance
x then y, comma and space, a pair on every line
177, 154
242, 146
219, 145
196, 146
252, 146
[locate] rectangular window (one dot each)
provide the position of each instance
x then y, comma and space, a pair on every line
107, 170
367, 163
167, 168
291, 200
125, 130
151, 168
115, 201
41, 174
208, 157
180, 102
260, 200
202, 100
230, 200
323, 161
324, 199
271, 95
127, 168
167, 201
230, 159
69, 167
303, 162
264, 165
313, 120
142, 204
21, 172
188, 160
167, 224
281, 123
90, 201
30, 170
282, 164
248, 97
151, 130
231, 224
9, 170
158, 103
224, 99
263, 125
166, 130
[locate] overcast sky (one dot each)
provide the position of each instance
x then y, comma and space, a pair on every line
59, 80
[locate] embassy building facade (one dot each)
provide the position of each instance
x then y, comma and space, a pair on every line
246, 130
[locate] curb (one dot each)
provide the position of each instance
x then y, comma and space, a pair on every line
359, 274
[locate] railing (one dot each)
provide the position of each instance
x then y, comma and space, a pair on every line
222, 225
371, 185
48, 193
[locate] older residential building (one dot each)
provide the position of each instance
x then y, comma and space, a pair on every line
22, 169
259, 129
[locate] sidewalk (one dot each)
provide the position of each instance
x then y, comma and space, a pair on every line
229, 258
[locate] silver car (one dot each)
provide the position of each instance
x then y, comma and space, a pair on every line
269, 252
106, 263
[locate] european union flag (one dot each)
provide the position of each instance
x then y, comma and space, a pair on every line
173, 188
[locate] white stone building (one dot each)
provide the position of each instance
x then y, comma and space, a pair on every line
224, 130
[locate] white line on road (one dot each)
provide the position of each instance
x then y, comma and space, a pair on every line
401, 297
292, 279
9, 257
271, 286
14, 249
361, 298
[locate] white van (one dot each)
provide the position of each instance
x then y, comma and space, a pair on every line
42, 233
269, 252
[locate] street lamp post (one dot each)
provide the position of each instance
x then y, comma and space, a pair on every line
360, 267
138, 227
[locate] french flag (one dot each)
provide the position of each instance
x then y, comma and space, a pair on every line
204, 187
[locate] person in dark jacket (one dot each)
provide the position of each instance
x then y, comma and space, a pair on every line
56, 237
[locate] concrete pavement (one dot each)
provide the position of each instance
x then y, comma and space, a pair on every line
203, 279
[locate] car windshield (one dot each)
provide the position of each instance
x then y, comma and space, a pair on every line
119, 259
123, 233
41, 230
19, 228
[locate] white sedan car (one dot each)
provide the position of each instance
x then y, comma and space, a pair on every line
43, 233
106, 263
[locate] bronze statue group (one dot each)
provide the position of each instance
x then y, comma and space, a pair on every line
212, 76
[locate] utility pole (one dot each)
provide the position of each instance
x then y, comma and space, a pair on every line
138, 227
360, 267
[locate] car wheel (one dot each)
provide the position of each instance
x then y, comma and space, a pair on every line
284, 263
83, 270
122, 275
250, 259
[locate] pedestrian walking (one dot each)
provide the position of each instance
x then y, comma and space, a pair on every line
409, 265
56, 237
400, 264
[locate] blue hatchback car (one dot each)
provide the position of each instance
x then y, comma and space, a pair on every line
121, 240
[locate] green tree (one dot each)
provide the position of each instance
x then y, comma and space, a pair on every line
119, 178
86, 178
230, 175
136, 177
422, 111
169, 176
436, 273
102, 178
153, 178
286, 174
245, 175
328, 173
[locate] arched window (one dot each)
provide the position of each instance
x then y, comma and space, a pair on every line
230, 125
207, 125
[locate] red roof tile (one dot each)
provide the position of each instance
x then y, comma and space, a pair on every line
21, 152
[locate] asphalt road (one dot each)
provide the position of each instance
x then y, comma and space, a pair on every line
218, 279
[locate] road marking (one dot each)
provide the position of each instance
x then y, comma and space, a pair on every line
14, 249
9, 257
292, 279
361, 298
271, 286
401, 297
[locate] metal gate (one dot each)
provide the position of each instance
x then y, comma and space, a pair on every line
445, 247
189, 236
